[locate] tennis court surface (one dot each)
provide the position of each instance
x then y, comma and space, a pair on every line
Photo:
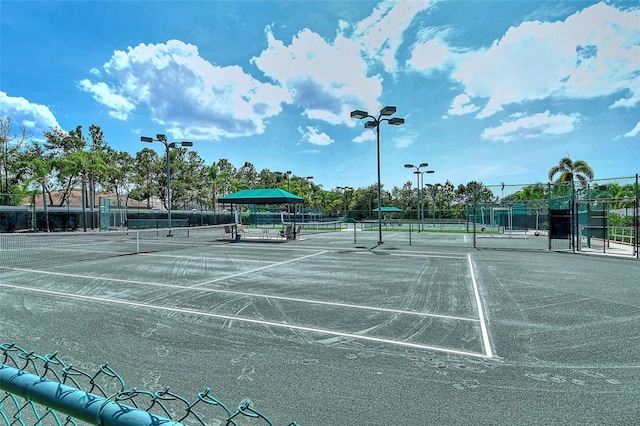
335, 329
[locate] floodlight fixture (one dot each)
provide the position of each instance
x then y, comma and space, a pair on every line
177, 144
419, 175
388, 110
163, 138
359, 114
375, 124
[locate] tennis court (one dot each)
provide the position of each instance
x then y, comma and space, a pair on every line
337, 329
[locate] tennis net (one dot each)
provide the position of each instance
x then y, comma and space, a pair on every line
41, 249
318, 227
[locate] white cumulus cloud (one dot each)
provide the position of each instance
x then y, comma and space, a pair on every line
184, 92
633, 132
593, 53
525, 127
462, 105
381, 34
314, 136
34, 117
365, 136
326, 79
431, 55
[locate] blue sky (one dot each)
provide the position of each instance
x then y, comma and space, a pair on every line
493, 91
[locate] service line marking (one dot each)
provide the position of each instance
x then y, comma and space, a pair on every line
239, 274
248, 320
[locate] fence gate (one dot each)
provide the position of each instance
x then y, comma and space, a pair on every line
559, 225
105, 213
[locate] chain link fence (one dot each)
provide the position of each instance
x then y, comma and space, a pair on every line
597, 216
44, 390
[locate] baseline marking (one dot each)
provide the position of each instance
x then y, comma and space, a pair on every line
252, 321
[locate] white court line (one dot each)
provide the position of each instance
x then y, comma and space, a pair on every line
356, 250
245, 294
481, 320
258, 269
225, 259
252, 321
483, 325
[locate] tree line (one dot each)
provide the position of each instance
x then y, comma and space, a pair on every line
66, 161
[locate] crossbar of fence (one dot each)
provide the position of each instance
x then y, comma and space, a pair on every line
35, 388
72, 402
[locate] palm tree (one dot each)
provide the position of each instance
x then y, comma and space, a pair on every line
571, 170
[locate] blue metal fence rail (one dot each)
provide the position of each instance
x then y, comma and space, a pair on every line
42, 389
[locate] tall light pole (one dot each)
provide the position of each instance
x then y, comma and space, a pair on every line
344, 190
434, 190
421, 196
375, 123
308, 179
287, 173
419, 187
163, 138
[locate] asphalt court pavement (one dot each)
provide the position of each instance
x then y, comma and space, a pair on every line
332, 331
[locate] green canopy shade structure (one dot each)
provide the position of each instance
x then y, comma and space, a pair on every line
388, 210
261, 196
264, 196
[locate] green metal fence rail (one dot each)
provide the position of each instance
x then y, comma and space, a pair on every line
42, 389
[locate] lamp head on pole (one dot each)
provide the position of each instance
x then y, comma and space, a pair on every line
371, 124
359, 114
176, 144
146, 139
409, 166
423, 164
396, 121
161, 137
388, 110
